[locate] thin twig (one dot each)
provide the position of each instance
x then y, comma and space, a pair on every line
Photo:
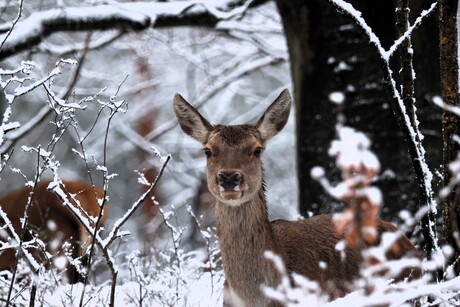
15, 21
15, 136
24, 228
208, 244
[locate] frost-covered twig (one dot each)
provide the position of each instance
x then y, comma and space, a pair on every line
398, 294
13, 24
114, 107
9, 227
405, 35
176, 236
115, 233
58, 188
205, 234
13, 136
22, 90
4, 158
24, 229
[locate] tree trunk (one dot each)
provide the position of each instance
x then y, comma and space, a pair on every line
450, 122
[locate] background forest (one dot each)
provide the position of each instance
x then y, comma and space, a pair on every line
86, 94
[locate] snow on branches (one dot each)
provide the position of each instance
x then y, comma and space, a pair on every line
359, 166
128, 16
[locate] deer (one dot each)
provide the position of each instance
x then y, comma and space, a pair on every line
52, 222
235, 179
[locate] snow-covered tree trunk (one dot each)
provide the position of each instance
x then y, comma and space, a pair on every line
408, 98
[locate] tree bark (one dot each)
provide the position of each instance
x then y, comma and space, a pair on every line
408, 95
450, 122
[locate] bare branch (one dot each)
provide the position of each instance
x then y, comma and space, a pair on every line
15, 21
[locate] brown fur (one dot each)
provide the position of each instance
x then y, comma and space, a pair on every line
47, 210
244, 230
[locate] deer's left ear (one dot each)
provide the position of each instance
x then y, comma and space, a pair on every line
275, 117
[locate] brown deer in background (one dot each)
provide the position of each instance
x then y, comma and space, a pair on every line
235, 179
52, 222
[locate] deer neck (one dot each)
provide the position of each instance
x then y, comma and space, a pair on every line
244, 234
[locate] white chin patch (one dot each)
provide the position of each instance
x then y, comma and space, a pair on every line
233, 202
231, 198
231, 195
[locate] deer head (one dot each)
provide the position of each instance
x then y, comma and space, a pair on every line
234, 165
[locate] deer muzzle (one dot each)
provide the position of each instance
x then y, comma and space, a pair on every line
229, 180
230, 184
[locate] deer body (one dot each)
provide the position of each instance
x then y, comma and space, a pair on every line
234, 173
51, 221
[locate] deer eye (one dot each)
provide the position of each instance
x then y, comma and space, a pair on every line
258, 151
207, 152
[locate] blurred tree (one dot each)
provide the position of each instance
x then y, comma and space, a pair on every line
145, 124
329, 54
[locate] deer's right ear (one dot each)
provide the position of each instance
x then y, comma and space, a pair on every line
191, 121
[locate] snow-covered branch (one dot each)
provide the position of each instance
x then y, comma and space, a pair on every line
130, 16
9, 226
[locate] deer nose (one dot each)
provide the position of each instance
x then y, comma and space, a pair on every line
229, 180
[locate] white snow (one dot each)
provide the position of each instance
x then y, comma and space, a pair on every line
337, 97
317, 172
60, 262
352, 149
